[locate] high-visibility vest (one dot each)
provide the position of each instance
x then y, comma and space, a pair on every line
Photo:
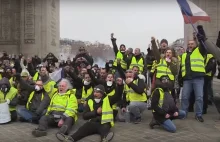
139, 64
85, 94
107, 111
161, 99
30, 99
11, 81
163, 69
36, 76
49, 88
132, 96
112, 93
154, 66
209, 56
122, 62
10, 95
196, 61
66, 103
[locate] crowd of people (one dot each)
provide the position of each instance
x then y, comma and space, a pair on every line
129, 84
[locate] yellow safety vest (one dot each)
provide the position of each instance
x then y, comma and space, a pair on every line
0, 76
196, 60
123, 63
30, 99
139, 64
161, 99
107, 111
154, 66
49, 88
10, 95
36, 76
85, 94
163, 69
111, 94
11, 81
66, 103
209, 56
132, 96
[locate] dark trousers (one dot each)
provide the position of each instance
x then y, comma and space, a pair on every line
206, 88
191, 101
91, 128
13, 115
48, 120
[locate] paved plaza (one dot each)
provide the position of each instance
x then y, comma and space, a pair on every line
188, 130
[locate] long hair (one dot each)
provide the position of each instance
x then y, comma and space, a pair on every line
69, 85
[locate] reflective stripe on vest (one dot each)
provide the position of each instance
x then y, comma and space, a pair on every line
163, 69
161, 99
85, 94
107, 111
30, 98
209, 56
122, 62
36, 76
139, 64
154, 66
111, 94
131, 95
196, 62
10, 95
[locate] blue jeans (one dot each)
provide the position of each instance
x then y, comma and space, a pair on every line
168, 124
24, 113
195, 84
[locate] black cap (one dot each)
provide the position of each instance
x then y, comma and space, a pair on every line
95, 66
100, 88
164, 40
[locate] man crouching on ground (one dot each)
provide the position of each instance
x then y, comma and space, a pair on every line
61, 112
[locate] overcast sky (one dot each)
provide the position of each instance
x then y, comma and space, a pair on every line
132, 21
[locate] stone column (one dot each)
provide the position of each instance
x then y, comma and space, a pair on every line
40, 27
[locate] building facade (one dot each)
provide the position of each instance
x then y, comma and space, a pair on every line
212, 8
30, 27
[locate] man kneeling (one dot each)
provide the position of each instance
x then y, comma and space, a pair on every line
99, 112
164, 107
62, 111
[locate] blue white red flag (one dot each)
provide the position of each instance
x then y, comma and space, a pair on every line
191, 12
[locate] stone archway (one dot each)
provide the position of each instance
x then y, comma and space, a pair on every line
30, 27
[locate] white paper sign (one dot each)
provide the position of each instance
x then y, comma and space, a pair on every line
5, 115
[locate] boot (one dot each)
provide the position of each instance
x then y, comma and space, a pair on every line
64, 138
153, 123
39, 133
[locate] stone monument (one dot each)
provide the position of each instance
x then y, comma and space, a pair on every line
30, 27
212, 8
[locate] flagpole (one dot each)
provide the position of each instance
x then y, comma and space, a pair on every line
192, 25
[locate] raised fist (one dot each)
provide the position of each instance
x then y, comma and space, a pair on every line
112, 35
152, 38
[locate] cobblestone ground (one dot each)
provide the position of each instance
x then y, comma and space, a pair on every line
188, 130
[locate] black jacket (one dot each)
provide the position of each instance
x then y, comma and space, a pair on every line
37, 105
88, 114
160, 113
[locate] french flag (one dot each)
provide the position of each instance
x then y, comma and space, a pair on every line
191, 12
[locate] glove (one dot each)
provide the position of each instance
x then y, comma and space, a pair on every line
37, 88
8, 101
201, 33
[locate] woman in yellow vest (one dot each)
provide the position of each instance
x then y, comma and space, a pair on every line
99, 112
167, 63
85, 92
9, 94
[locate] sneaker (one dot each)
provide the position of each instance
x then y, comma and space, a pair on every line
39, 133
199, 118
63, 129
153, 123
137, 121
64, 138
108, 137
